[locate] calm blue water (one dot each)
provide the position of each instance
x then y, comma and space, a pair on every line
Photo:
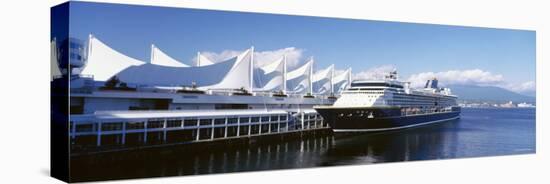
479, 132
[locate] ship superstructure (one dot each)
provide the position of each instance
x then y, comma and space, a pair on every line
389, 104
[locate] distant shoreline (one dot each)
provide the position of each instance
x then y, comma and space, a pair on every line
499, 107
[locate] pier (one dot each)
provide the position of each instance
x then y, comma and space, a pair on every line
123, 130
117, 102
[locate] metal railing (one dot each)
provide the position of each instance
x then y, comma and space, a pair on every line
282, 123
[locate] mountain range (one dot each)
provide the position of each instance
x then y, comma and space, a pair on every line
489, 93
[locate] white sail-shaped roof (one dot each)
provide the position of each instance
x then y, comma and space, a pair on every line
105, 62
270, 76
276, 66
156, 75
203, 60
54, 67
341, 81
239, 76
322, 80
274, 85
160, 58
298, 79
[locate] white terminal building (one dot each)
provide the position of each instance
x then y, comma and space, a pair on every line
120, 101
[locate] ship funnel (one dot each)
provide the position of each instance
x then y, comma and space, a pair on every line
431, 83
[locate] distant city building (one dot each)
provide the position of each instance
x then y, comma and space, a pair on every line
481, 104
510, 104
525, 105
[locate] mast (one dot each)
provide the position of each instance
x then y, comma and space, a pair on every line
284, 74
152, 53
349, 77
198, 58
310, 76
90, 37
331, 80
251, 67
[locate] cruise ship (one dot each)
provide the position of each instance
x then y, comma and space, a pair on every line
116, 101
389, 104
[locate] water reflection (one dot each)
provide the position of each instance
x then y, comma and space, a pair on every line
470, 136
433, 142
424, 143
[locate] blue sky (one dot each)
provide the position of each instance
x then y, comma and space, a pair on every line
413, 49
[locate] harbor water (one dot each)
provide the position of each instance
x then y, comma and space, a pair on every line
479, 132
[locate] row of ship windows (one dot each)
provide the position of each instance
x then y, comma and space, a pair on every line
373, 89
420, 104
417, 104
417, 100
376, 85
417, 96
364, 92
412, 102
423, 100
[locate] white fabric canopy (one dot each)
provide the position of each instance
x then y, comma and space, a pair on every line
105, 62
341, 81
322, 80
298, 79
160, 58
273, 67
238, 77
156, 75
301, 71
323, 74
269, 77
54, 67
203, 60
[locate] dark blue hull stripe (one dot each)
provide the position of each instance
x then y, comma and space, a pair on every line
392, 128
356, 123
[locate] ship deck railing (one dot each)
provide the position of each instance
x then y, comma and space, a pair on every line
426, 112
